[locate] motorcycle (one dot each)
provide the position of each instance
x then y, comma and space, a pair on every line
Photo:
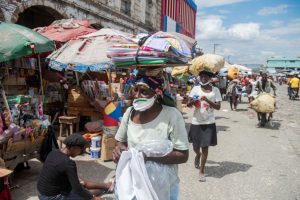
293, 93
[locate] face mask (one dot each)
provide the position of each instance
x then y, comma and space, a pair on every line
142, 104
204, 84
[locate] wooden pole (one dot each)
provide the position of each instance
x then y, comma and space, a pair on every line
41, 77
5, 100
77, 78
109, 82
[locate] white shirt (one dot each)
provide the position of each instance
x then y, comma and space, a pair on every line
205, 114
169, 124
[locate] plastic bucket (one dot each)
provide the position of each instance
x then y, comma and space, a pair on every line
95, 153
110, 130
95, 142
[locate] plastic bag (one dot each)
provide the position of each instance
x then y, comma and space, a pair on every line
155, 148
163, 177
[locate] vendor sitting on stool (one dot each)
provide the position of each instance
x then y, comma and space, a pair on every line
59, 174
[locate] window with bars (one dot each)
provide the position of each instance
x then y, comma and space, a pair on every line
149, 7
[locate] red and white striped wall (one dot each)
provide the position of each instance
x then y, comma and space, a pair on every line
183, 12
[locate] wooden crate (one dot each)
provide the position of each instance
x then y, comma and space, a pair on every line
78, 104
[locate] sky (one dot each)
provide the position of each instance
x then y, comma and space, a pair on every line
249, 31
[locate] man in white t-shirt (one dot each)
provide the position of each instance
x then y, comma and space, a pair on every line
203, 133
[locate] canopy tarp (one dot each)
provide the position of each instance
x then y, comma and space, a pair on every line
66, 29
18, 41
87, 53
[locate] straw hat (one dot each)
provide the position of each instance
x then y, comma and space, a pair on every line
4, 172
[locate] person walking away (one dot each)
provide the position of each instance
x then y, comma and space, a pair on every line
222, 86
203, 131
151, 119
265, 85
232, 94
294, 84
59, 174
239, 91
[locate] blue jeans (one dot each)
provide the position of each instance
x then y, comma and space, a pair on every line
57, 197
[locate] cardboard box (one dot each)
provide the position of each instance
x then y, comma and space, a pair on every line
107, 147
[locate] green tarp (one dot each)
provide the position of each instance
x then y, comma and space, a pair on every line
15, 42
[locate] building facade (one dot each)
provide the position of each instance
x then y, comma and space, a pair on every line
179, 16
283, 63
132, 16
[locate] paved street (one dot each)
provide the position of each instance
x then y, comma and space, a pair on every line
248, 162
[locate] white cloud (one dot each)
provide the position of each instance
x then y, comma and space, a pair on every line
276, 23
245, 31
249, 42
227, 51
273, 10
267, 53
211, 27
214, 3
291, 28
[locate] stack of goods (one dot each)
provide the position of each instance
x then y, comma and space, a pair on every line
26, 138
95, 89
157, 49
79, 103
94, 131
208, 62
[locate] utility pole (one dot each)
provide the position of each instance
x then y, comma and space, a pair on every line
215, 45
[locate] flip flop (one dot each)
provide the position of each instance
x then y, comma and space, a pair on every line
197, 162
112, 187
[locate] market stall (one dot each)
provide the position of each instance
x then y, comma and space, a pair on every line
105, 62
22, 123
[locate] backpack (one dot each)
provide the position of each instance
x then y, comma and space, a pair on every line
48, 144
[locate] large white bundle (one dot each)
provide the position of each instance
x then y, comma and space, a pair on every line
210, 62
264, 103
179, 70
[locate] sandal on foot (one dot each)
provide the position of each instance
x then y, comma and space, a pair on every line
111, 189
197, 162
202, 178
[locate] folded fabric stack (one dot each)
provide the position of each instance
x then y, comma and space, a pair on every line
159, 48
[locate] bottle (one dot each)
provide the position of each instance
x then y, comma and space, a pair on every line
197, 99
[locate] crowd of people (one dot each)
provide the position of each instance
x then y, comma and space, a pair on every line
151, 118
